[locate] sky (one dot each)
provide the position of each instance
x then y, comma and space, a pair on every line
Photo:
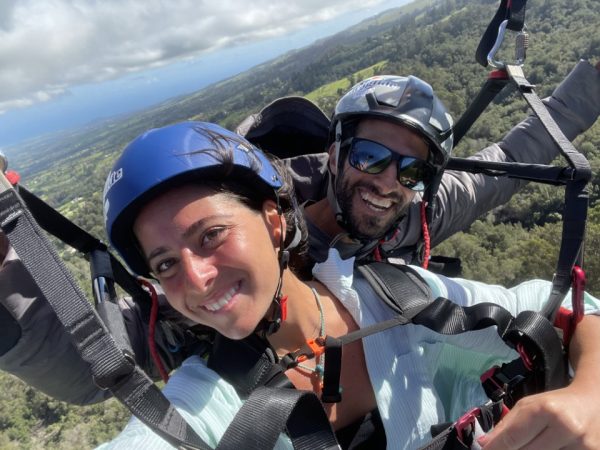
65, 63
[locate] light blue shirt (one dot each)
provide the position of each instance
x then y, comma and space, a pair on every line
420, 378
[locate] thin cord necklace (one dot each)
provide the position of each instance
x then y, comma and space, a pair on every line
319, 368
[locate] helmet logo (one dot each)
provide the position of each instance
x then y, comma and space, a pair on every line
112, 178
106, 207
360, 89
243, 147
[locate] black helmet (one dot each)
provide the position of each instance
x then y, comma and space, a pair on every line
408, 101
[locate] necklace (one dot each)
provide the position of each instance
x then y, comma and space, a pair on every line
319, 368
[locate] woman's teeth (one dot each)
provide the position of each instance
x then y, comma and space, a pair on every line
224, 300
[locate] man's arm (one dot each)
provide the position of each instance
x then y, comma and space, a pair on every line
565, 418
33, 344
463, 197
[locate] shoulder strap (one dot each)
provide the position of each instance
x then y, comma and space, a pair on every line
269, 411
253, 365
399, 286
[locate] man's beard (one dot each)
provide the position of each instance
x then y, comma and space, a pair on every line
367, 227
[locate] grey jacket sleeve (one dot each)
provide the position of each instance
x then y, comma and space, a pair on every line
40, 352
463, 197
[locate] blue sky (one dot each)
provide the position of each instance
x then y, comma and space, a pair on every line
68, 62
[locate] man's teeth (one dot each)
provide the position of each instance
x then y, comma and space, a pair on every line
378, 202
220, 303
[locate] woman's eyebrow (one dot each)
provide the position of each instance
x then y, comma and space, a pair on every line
199, 224
189, 231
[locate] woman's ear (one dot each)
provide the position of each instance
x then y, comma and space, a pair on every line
275, 221
332, 159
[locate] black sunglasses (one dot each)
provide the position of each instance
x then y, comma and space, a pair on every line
373, 158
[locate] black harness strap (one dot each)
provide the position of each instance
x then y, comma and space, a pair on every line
109, 365
576, 197
496, 81
254, 364
59, 226
268, 411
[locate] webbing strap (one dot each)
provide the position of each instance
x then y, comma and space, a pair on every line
59, 226
575, 158
492, 86
269, 411
109, 366
513, 11
576, 197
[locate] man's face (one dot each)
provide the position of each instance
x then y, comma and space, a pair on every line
374, 202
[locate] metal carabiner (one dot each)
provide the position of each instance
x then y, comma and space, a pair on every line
521, 45
499, 39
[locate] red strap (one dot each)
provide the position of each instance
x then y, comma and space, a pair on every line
498, 74
152, 329
283, 305
426, 238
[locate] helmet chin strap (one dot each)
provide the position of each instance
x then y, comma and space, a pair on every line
340, 217
266, 327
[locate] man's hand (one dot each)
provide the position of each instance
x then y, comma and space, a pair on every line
565, 418
560, 419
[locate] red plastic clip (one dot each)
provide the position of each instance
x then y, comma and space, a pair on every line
13, 177
466, 421
567, 320
498, 74
312, 348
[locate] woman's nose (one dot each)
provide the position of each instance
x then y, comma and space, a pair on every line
200, 272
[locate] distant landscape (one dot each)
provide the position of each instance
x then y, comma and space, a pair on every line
435, 40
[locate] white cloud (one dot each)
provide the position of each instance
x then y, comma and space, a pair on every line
48, 46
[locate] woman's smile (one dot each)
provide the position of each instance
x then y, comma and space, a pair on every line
222, 302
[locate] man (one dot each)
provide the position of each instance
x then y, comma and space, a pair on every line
375, 212
368, 201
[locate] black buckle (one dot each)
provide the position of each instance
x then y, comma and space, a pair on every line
465, 427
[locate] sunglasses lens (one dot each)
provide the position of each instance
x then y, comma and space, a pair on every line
369, 157
414, 174
373, 158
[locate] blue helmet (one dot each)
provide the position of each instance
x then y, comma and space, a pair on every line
163, 158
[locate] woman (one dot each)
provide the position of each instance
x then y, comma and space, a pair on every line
207, 215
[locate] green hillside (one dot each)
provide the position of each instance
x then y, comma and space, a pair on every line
435, 40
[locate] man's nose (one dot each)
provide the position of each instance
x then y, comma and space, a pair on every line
200, 272
387, 181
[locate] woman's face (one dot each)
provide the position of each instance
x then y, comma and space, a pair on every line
215, 258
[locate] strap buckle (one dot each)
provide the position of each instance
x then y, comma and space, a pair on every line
466, 424
504, 382
311, 349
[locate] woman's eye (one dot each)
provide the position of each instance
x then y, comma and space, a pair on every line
213, 237
163, 266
